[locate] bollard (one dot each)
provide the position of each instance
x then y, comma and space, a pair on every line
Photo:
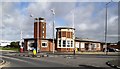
34, 52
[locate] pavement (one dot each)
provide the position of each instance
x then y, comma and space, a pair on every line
2, 62
50, 54
87, 53
114, 63
76, 60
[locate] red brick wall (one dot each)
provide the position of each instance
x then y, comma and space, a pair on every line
41, 29
35, 30
48, 48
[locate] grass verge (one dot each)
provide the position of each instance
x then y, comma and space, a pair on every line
8, 48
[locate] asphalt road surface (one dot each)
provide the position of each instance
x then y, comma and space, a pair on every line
17, 62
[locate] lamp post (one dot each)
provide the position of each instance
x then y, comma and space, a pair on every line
73, 15
37, 35
21, 46
37, 32
106, 28
52, 10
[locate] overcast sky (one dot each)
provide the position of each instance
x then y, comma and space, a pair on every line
89, 18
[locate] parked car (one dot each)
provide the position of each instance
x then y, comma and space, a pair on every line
117, 50
113, 50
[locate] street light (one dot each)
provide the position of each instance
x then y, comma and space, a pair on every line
37, 32
106, 29
21, 45
73, 15
52, 10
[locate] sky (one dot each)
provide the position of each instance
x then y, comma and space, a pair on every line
88, 20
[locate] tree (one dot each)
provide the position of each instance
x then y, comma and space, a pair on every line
14, 44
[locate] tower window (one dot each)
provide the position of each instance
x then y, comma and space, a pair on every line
43, 32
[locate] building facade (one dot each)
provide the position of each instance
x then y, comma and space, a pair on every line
40, 28
87, 45
39, 41
65, 40
45, 44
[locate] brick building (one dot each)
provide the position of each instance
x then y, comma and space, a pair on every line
39, 41
87, 45
65, 40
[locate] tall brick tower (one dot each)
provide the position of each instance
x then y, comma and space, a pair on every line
40, 28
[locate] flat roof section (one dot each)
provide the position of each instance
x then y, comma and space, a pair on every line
65, 28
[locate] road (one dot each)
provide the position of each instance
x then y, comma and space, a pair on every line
16, 61
83, 61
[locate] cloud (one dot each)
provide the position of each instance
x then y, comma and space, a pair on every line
90, 23
113, 20
84, 27
89, 19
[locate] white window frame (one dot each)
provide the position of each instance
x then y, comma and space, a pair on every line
45, 43
94, 44
63, 44
71, 44
59, 43
68, 41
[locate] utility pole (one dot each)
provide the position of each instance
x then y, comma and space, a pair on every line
73, 32
37, 19
52, 10
37, 35
106, 18
21, 46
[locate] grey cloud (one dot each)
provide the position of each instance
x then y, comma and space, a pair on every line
83, 15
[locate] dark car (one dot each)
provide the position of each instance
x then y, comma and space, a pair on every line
113, 50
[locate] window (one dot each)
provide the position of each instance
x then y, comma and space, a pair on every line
71, 43
63, 34
43, 25
64, 43
59, 43
43, 36
43, 31
68, 34
93, 46
44, 44
68, 43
